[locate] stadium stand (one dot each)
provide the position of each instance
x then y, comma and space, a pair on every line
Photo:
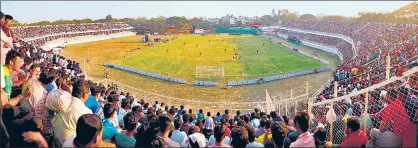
47, 102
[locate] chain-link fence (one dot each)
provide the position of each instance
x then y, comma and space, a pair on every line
390, 106
195, 105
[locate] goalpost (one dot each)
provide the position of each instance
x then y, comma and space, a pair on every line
209, 71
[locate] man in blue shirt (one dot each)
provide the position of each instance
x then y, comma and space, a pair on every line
177, 135
200, 115
254, 121
109, 130
127, 139
92, 103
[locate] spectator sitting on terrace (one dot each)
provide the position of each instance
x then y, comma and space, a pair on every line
261, 138
261, 130
302, 124
221, 140
239, 137
165, 128
252, 137
384, 139
320, 137
177, 135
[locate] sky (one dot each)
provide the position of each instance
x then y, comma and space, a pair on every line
35, 11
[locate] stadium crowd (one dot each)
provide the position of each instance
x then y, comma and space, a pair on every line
36, 31
47, 102
374, 41
390, 105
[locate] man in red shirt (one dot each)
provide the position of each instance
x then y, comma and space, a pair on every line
355, 136
396, 114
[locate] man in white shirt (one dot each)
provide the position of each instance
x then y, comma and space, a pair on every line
305, 138
5, 42
89, 131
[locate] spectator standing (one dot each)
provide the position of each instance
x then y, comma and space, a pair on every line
278, 130
5, 42
126, 139
89, 132
92, 102
261, 130
267, 126
200, 115
218, 117
236, 117
186, 123
109, 130
14, 60
68, 109
254, 120
320, 138
384, 139
302, 124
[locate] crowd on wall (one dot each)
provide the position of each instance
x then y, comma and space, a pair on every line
47, 102
36, 31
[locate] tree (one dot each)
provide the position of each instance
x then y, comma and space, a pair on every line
177, 22
109, 18
197, 23
287, 15
267, 20
334, 18
372, 17
406, 14
15, 23
308, 17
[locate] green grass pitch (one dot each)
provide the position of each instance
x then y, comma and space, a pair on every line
179, 58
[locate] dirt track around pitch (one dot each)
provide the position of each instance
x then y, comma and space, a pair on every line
97, 54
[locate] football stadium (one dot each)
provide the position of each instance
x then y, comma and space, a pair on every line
281, 80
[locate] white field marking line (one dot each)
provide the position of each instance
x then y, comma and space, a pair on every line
180, 71
136, 53
182, 65
273, 64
